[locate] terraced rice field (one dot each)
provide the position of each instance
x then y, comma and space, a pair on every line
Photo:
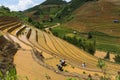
53, 49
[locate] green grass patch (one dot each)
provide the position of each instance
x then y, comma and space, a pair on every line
108, 47
49, 24
104, 42
1, 35
61, 31
72, 79
105, 38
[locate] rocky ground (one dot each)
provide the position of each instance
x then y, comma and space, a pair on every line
7, 52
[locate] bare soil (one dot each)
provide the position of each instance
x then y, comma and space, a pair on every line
7, 52
101, 54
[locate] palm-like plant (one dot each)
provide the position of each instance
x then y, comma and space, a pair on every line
118, 76
101, 64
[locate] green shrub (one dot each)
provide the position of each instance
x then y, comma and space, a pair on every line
104, 78
117, 59
101, 63
47, 77
107, 57
87, 45
84, 72
66, 70
10, 75
118, 76
71, 79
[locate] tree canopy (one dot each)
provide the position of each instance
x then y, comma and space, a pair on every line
58, 2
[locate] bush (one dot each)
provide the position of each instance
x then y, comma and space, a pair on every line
89, 35
101, 63
107, 57
55, 33
10, 75
117, 59
85, 44
71, 79
118, 76
84, 72
30, 20
104, 78
5, 8
57, 2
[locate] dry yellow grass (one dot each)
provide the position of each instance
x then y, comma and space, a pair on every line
101, 54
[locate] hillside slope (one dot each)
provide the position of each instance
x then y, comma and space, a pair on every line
97, 16
7, 51
56, 49
45, 10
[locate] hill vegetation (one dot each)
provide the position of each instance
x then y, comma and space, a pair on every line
56, 2
55, 9
5, 11
45, 11
7, 51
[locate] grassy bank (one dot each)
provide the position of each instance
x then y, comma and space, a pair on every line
61, 31
1, 34
104, 42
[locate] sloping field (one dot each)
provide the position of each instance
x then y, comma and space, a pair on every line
97, 16
52, 49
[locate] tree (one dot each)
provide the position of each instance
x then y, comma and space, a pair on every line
91, 47
76, 3
57, 2
107, 57
118, 76
50, 19
80, 43
90, 35
55, 33
91, 0
117, 58
37, 25
101, 64
64, 37
30, 20
75, 40
5, 8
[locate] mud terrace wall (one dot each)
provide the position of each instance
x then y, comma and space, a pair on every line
7, 52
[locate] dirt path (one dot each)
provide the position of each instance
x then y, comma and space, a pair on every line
48, 29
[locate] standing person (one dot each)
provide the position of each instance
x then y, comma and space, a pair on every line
60, 67
62, 62
84, 65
